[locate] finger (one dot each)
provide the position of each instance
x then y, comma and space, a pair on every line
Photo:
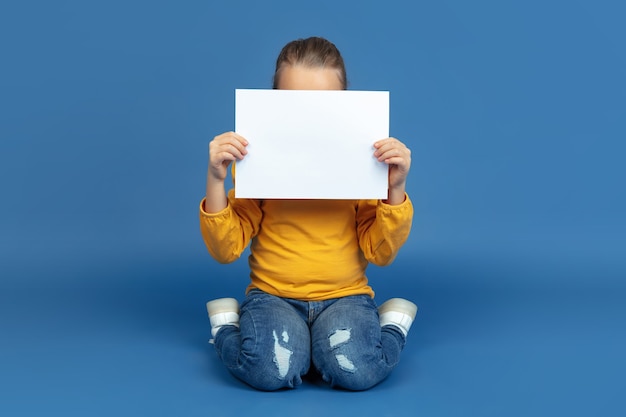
228, 142
392, 152
386, 141
379, 143
236, 137
231, 149
390, 145
232, 137
236, 151
240, 138
225, 156
239, 142
401, 163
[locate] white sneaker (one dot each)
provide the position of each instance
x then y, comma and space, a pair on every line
397, 312
222, 312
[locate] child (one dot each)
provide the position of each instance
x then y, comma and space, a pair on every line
309, 302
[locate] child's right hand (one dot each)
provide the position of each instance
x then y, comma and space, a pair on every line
224, 149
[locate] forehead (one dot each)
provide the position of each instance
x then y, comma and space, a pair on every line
297, 77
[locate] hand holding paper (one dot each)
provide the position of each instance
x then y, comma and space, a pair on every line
223, 150
395, 153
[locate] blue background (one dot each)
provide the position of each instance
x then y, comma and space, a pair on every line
514, 112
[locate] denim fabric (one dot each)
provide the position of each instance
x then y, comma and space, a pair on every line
279, 338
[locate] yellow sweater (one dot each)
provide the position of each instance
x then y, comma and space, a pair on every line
308, 249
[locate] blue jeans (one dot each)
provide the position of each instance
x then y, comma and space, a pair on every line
278, 340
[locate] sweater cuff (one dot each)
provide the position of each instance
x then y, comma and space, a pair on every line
401, 206
221, 213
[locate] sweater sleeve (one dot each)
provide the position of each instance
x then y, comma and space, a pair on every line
382, 229
227, 233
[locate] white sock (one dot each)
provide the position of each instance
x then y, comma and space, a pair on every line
400, 320
218, 320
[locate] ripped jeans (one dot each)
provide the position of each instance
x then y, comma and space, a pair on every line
278, 340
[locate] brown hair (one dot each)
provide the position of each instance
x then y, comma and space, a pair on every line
313, 52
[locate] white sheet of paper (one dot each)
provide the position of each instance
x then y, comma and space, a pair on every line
311, 144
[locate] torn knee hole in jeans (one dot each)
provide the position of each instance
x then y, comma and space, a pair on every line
337, 339
282, 355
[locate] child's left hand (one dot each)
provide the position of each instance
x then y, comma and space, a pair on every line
395, 154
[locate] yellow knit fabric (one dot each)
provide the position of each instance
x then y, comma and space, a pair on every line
308, 249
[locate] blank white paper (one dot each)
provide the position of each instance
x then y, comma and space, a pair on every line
311, 144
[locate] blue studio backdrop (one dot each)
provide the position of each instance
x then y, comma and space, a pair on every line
515, 114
